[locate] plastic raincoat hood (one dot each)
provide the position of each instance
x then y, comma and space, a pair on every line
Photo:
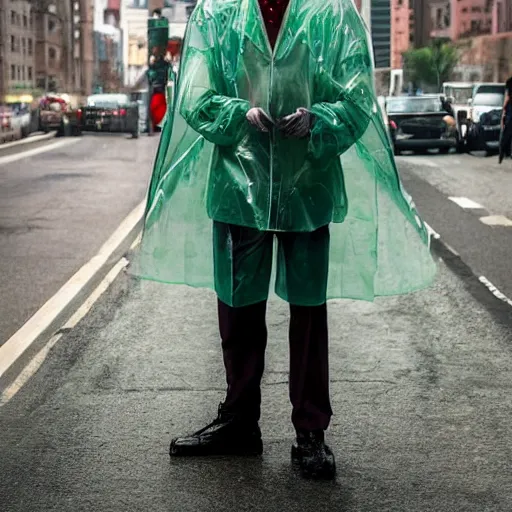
212, 165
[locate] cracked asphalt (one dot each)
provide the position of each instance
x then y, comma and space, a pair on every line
421, 392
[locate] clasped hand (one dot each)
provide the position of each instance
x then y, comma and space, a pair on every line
296, 125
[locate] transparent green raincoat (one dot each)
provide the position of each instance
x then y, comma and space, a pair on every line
213, 166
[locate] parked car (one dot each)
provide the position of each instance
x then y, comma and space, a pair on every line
111, 113
26, 117
10, 126
59, 113
422, 123
484, 119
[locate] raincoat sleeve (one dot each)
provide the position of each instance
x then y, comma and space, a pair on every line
346, 83
209, 109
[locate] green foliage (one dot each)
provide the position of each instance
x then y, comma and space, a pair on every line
431, 65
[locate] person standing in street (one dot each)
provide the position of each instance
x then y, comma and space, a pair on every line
276, 134
506, 123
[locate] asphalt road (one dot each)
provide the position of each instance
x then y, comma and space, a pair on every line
433, 179
421, 392
56, 210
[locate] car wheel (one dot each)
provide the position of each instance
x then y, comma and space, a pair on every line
444, 151
397, 151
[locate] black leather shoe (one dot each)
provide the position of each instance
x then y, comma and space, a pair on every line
226, 435
314, 458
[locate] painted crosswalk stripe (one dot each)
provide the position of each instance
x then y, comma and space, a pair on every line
466, 203
496, 220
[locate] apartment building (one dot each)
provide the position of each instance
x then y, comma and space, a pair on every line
502, 16
461, 19
17, 49
400, 31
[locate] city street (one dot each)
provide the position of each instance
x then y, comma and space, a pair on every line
56, 210
420, 383
477, 220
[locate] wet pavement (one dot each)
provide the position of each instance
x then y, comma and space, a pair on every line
57, 208
421, 392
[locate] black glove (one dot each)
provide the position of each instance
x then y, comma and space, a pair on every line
258, 118
297, 124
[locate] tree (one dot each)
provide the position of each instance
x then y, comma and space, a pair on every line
431, 65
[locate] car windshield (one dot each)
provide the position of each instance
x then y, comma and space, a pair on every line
460, 95
413, 105
107, 100
488, 100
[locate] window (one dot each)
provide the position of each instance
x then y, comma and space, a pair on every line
439, 17
13, 44
464, 9
30, 46
13, 72
19, 72
51, 25
25, 20
23, 45
29, 73
52, 54
23, 73
13, 18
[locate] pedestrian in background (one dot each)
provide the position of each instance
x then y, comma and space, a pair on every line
506, 122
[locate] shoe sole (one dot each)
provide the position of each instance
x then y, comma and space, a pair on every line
203, 451
325, 472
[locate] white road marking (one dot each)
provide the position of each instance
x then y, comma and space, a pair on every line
495, 290
40, 357
36, 151
18, 343
136, 242
466, 203
29, 140
418, 160
496, 220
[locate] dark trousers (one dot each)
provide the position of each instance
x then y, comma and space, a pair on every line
244, 338
506, 140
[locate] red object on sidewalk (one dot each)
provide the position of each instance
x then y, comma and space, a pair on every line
157, 107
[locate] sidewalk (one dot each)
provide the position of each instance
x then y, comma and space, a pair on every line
421, 391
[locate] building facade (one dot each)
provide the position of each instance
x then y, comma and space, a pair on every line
400, 30
502, 16
45, 46
420, 24
461, 19
134, 27
17, 49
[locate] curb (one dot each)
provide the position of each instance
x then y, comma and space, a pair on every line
9, 147
17, 351
495, 303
